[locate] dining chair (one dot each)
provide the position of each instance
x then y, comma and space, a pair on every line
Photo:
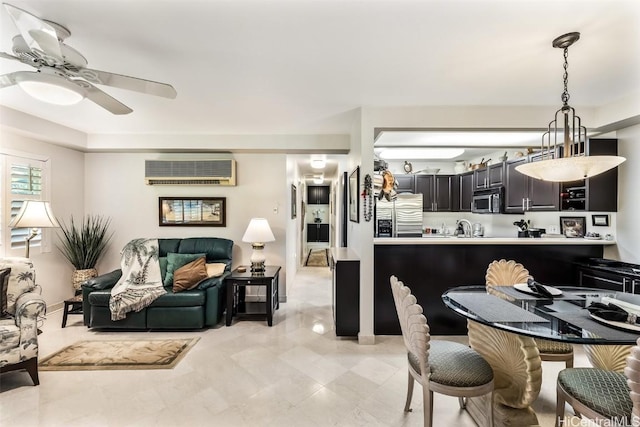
443, 367
606, 397
509, 273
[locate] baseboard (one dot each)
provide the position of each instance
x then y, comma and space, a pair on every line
55, 307
366, 339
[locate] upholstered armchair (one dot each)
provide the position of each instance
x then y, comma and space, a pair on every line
21, 307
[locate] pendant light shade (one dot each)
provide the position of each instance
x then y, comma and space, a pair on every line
564, 144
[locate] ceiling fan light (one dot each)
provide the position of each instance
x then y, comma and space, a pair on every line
50, 88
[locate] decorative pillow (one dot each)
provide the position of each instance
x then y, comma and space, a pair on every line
215, 269
4, 283
175, 261
189, 275
163, 266
21, 280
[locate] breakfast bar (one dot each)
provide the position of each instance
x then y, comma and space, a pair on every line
431, 266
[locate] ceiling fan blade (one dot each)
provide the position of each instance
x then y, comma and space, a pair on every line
130, 83
105, 101
39, 35
8, 56
7, 80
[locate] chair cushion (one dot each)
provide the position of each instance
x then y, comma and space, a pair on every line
9, 335
605, 392
454, 364
553, 347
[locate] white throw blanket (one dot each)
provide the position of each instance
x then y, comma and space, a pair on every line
140, 283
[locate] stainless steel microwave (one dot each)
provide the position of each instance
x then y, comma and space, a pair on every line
488, 201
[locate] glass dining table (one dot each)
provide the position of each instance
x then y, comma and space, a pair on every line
562, 318
503, 322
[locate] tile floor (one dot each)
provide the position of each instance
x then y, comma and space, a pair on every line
295, 373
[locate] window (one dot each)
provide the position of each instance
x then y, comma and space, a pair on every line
24, 179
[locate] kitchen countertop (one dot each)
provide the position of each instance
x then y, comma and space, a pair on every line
487, 241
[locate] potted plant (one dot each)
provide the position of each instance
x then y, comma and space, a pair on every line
82, 245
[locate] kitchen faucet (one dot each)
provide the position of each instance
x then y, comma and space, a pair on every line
466, 231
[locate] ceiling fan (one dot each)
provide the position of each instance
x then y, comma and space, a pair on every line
62, 77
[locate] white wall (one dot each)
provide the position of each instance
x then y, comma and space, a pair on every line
628, 225
115, 187
53, 271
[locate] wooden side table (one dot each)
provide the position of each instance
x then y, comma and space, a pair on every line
71, 306
236, 291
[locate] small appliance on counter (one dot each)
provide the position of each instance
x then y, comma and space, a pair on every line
478, 230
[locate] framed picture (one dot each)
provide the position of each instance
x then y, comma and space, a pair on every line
192, 211
600, 220
572, 226
294, 203
354, 205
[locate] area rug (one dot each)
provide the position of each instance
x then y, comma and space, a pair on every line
317, 258
127, 354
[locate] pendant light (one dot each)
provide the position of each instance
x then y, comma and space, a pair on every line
564, 144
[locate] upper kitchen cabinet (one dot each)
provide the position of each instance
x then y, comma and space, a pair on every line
436, 190
406, 183
489, 177
523, 193
464, 192
599, 193
318, 195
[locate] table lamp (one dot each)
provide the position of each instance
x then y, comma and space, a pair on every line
258, 232
34, 214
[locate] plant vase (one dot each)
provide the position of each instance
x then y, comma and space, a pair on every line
80, 276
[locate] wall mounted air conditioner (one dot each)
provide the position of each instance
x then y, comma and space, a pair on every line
190, 172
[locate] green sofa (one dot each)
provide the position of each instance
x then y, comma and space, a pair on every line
193, 309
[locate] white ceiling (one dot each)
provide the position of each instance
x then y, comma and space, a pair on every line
273, 67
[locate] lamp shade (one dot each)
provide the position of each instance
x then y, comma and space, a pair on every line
34, 214
258, 231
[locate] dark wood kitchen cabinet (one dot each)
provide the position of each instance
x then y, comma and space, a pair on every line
523, 193
436, 192
599, 193
345, 291
318, 195
406, 183
317, 232
489, 177
464, 192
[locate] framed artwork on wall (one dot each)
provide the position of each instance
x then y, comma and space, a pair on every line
192, 211
600, 220
354, 205
572, 226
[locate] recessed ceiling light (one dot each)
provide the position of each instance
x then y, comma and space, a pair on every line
318, 179
420, 153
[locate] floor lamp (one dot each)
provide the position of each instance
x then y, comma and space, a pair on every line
34, 214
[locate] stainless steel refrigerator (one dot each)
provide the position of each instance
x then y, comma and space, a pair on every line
401, 217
